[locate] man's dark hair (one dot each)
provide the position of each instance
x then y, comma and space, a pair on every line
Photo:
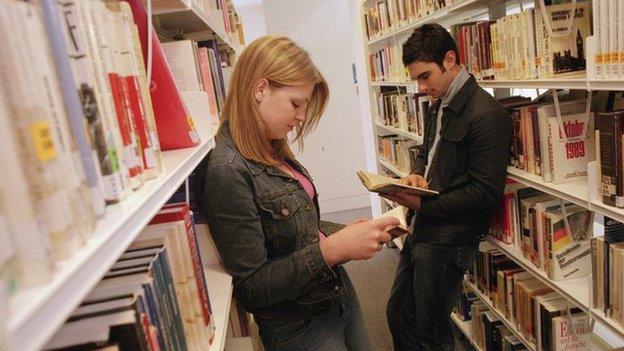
429, 43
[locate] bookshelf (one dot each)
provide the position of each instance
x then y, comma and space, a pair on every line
445, 13
510, 325
466, 329
392, 168
36, 313
393, 130
179, 17
578, 83
575, 192
578, 291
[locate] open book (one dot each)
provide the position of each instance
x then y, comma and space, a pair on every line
382, 184
398, 213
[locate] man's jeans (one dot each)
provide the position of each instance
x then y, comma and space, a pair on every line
426, 286
342, 329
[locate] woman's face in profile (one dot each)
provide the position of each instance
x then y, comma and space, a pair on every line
282, 108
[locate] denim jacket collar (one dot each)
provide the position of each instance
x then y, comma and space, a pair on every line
257, 167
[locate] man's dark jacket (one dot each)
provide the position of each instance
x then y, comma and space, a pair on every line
469, 167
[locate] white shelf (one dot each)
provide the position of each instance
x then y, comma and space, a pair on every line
509, 324
393, 84
191, 21
466, 329
392, 168
408, 135
609, 211
575, 192
220, 292
573, 82
574, 290
436, 16
36, 313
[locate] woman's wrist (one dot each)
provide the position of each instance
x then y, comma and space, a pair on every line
329, 252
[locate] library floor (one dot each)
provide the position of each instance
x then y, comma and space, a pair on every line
373, 280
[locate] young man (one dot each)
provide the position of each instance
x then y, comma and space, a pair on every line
464, 156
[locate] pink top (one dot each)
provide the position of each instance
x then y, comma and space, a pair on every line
307, 186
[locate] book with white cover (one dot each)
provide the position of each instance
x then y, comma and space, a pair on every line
571, 333
85, 156
182, 58
568, 160
566, 52
32, 245
82, 71
102, 61
39, 153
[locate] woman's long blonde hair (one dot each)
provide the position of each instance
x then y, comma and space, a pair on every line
282, 63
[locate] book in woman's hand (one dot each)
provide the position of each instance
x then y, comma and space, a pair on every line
398, 213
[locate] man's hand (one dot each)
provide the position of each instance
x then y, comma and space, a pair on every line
415, 180
404, 199
408, 200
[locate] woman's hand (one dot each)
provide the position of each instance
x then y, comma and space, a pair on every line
357, 241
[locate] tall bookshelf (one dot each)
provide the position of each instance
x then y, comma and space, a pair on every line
35, 313
607, 333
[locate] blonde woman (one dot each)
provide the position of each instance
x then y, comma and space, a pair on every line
263, 213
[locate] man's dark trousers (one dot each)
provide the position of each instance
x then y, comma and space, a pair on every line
426, 286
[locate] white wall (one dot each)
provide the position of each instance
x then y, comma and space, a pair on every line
252, 15
336, 150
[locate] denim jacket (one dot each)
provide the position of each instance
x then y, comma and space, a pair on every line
265, 227
469, 167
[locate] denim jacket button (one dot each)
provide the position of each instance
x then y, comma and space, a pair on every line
285, 212
336, 288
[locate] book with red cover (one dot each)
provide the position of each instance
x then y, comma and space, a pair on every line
175, 126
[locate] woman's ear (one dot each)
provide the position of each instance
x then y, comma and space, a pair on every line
261, 89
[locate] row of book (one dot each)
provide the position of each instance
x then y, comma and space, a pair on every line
153, 298
607, 252
80, 127
557, 140
540, 145
56, 134
541, 315
398, 109
550, 233
544, 42
487, 330
397, 151
220, 13
386, 16
199, 75
386, 65
538, 43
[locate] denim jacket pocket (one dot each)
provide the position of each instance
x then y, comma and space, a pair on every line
281, 223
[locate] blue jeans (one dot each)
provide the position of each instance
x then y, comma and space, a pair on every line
427, 283
342, 329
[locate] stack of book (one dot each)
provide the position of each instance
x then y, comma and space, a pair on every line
153, 298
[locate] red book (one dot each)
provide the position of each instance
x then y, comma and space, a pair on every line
140, 121
174, 124
126, 129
